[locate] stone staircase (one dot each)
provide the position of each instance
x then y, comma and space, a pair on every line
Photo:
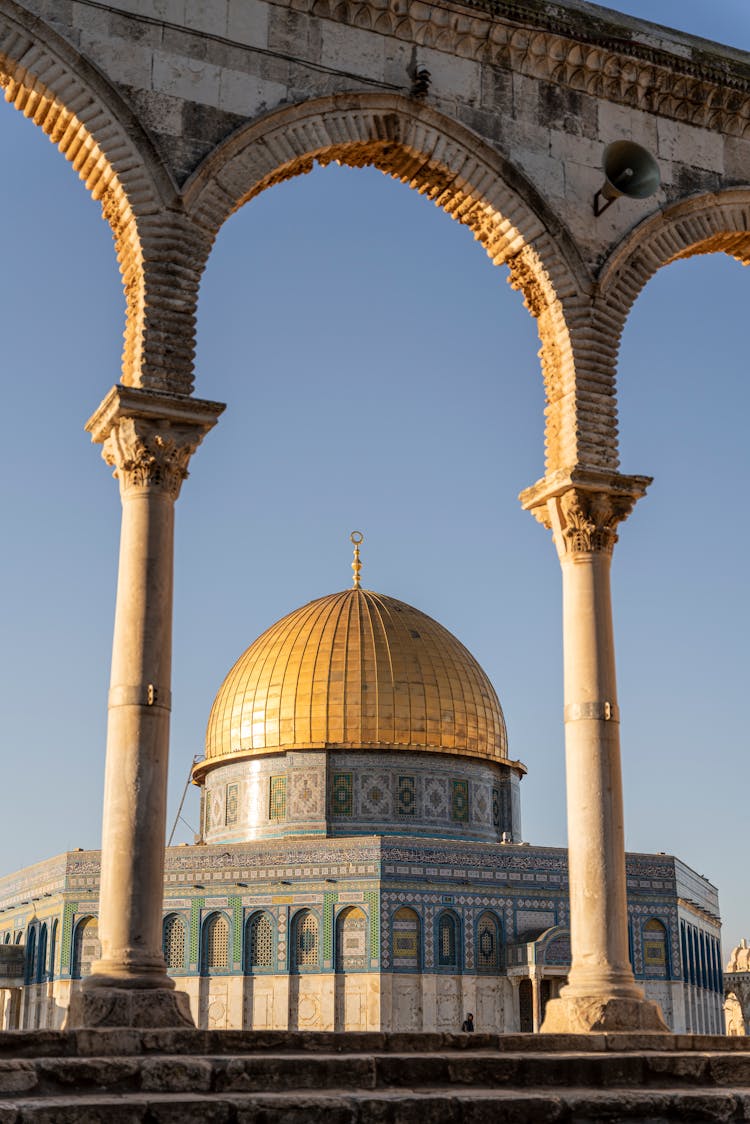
275, 1077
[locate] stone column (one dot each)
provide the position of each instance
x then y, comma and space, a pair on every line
535, 1003
149, 438
583, 509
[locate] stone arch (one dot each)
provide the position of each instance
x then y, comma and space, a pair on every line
448, 941
260, 942
350, 952
174, 941
86, 946
706, 224
469, 180
216, 936
83, 115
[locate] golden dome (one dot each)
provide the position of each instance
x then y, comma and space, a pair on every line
356, 670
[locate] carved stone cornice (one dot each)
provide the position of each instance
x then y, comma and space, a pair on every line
150, 437
583, 507
620, 59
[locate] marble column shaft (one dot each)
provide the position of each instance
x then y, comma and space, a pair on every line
583, 510
148, 438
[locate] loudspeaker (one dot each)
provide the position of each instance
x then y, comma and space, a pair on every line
628, 170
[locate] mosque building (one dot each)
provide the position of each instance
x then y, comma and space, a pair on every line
361, 863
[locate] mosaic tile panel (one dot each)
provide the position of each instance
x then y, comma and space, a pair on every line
306, 798
195, 928
235, 904
375, 795
329, 899
69, 911
371, 897
232, 807
460, 801
277, 798
405, 938
407, 796
496, 808
435, 798
342, 794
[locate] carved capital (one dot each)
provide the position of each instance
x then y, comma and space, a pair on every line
583, 508
149, 437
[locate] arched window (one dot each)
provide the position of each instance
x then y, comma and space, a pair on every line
305, 941
7, 938
19, 937
41, 958
655, 956
488, 952
215, 943
173, 941
86, 947
406, 940
30, 965
447, 941
351, 940
258, 943
52, 950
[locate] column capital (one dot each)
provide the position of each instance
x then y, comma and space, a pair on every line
583, 507
150, 436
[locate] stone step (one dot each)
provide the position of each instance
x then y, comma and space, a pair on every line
264, 1072
125, 1042
246, 1077
342, 1106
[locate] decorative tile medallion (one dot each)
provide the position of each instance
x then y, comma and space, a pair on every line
407, 797
233, 799
341, 794
460, 801
277, 798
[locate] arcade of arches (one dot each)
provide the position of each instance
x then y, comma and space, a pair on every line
499, 113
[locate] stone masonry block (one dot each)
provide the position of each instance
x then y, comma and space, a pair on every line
579, 150
95, 21
170, 10
689, 145
186, 78
248, 95
127, 63
497, 89
248, 22
17, 1077
568, 110
546, 173
458, 79
207, 15
397, 61
352, 49
737, 159
620, 122
176, 1075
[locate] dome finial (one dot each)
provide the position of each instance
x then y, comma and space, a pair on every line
356, 538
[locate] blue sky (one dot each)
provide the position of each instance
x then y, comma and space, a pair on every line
380, 374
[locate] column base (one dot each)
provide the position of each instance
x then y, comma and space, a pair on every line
588, 1014
145, 1008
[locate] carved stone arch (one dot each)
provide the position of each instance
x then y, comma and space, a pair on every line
45, 78
460, 173
705, 224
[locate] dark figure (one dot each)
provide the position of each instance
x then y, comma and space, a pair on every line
468, 1023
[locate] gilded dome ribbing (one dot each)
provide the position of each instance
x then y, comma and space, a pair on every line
356, 670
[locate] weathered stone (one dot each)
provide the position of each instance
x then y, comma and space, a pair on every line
17, 1077
176, 1075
